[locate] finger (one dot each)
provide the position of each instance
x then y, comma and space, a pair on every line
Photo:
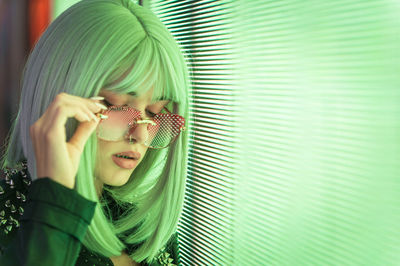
56, 127
64, 107
97, 98
89, 113
82, 134
59, 117
94, 105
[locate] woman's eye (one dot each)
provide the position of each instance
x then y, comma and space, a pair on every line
107, 103
151, 114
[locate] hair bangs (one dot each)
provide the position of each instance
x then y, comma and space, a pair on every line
150, 66
138, 72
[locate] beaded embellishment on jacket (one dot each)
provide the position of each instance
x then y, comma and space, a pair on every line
164, 258
16, 185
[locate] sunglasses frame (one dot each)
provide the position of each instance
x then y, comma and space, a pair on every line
143, 121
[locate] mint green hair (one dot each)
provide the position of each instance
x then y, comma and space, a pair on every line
123, 47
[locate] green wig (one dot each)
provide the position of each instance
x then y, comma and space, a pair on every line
123, 47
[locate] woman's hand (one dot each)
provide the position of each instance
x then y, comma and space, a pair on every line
55, 157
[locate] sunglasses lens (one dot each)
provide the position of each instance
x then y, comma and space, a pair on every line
120, 122
115, 127
167, 128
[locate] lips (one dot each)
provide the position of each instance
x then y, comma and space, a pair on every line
127, 159
133, 154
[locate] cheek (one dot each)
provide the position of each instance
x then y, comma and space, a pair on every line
100, 149
103, 148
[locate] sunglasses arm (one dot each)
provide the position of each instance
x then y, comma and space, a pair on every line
146, 121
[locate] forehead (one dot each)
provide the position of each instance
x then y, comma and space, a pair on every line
144, 97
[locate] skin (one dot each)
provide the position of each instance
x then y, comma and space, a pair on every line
106, 171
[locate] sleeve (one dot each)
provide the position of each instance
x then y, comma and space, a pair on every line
52, 227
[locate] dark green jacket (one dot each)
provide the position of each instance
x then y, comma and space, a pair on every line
43, 223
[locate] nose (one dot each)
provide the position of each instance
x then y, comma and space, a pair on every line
138, 133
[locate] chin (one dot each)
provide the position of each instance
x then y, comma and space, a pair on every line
118, 181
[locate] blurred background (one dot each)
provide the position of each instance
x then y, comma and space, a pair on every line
294, 157
21, 24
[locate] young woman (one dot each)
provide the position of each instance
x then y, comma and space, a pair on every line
96, 159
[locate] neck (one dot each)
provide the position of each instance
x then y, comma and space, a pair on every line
99, 187
123, 260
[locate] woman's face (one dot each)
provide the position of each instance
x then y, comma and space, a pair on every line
110, 169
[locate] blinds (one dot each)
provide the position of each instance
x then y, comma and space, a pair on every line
206, 227
296, 142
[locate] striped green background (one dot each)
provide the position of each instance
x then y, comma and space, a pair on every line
296, 144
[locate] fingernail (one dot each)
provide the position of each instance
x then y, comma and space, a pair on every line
97, 98
101, 106
102, 116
